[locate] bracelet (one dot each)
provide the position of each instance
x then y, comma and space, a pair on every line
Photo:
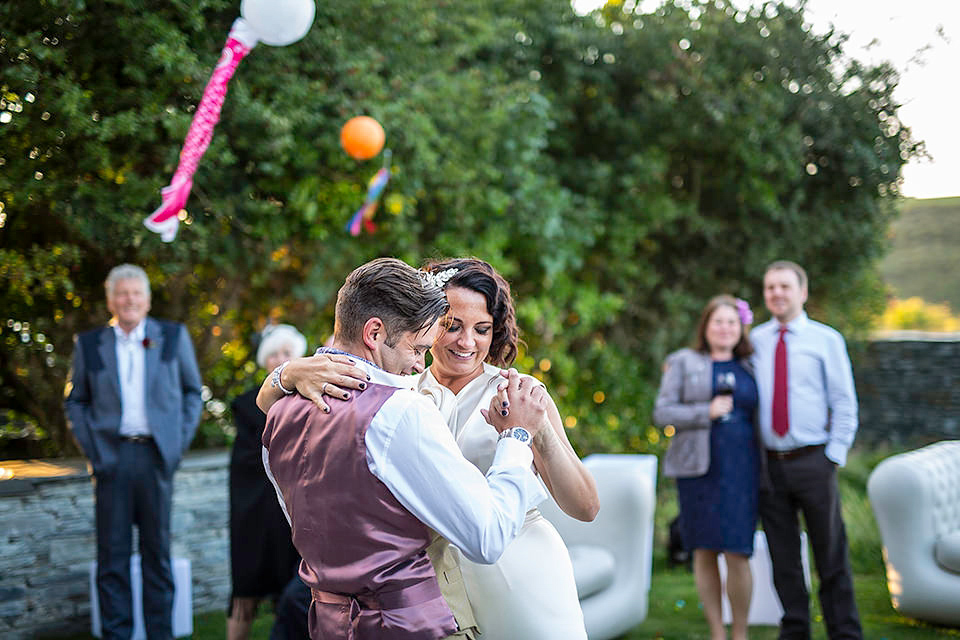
275, 379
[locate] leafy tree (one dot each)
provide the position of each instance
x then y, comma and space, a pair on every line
618, 168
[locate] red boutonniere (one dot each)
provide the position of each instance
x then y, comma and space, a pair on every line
147, 343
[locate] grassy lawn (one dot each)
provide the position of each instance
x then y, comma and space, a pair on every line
674, 613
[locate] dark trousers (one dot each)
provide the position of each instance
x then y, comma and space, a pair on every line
137, 492
808, 484
292, 612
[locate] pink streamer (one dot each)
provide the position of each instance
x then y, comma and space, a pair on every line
164, 219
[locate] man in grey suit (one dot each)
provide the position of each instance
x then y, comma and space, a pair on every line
133, 404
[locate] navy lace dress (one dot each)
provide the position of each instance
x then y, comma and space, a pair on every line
718, 511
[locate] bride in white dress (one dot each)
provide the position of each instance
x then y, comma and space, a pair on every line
529, 592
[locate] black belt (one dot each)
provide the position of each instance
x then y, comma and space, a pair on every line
137, 439
794, 453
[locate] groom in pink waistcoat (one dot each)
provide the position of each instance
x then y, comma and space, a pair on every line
364, 484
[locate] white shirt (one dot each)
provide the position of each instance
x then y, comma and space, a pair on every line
411, 450
821, 397
132, 371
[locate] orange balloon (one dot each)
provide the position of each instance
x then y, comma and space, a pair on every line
362, 137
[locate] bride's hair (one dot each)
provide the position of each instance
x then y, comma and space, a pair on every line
476, 275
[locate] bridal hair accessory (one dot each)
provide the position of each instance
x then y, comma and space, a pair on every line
743, 310
439, 279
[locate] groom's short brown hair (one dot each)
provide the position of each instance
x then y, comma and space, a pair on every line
391, 290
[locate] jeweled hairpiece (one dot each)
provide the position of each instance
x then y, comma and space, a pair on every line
439, 279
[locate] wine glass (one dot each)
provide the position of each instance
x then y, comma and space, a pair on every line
726, 383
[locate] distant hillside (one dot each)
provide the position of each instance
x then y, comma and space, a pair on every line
924, 258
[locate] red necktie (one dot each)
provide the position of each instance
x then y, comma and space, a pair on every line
781, 418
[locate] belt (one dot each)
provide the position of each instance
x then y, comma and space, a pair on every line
137, 439
794, 453
410, 596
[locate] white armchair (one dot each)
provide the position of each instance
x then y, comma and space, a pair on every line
612, 556
916, 500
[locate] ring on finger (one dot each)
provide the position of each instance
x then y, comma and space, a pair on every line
323, 389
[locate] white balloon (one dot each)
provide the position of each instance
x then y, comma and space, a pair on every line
278, 22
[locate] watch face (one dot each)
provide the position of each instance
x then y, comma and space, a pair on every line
521, 434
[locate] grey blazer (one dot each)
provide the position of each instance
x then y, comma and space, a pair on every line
93, 400
684, 402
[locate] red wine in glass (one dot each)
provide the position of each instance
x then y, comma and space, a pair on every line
726, 383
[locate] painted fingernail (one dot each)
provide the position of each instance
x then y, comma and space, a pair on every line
368, 376
503, 413
505, 403
346, 396
326, 409
363, 385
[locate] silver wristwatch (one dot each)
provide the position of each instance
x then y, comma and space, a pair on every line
518, 433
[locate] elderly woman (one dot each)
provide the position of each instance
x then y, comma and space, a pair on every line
262, 557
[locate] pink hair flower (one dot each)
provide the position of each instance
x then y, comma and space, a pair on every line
743, 310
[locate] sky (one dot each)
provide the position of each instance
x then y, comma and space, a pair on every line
921, 38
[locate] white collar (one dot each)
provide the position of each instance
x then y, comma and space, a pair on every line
137, 335
377, 375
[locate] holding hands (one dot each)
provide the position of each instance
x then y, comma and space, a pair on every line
520, 402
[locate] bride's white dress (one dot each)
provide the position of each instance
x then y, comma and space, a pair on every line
530, 592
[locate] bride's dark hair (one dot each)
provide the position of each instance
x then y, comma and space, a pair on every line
476, 275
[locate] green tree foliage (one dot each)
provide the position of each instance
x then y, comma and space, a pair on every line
618, 168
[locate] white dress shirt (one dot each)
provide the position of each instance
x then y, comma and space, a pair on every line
132, 372
821, 397
411, 450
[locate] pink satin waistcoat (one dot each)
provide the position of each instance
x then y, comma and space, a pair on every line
364, 555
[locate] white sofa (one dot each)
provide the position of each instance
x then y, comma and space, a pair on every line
916, 500
612, 555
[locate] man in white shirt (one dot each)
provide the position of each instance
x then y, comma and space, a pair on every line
365, 483
808, 419
133, 404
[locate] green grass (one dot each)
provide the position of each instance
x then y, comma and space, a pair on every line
924, 254
673, 610
674, 613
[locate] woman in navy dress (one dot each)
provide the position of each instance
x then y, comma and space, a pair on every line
715, 456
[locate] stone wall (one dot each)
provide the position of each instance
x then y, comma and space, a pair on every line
908, 386
47, 543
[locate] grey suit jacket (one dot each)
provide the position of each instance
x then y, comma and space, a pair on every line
93, 399
683, 401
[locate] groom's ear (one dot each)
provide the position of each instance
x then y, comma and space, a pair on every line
374, 333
